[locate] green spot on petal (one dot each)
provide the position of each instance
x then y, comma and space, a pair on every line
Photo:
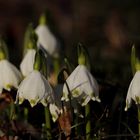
8, 86
32, 102
21, 100
54, 117
75, 93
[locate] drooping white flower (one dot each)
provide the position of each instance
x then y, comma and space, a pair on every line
47, 40
133, 91
35, 88
10, 76
27, 63
81, 85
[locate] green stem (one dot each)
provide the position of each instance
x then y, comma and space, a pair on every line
56, 66
48, 123
139, 121
78, 128
37, 63
78, 122
26, 114
12, 111
88, 123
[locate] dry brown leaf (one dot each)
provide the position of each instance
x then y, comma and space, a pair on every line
65, 123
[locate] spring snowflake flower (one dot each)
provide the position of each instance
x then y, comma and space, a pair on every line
36, 89
133, 91
27, 63
47, 40
10, 76
81, 85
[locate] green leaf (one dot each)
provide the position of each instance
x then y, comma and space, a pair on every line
43, 63
137, 64
69, 65
30, 39
3, 49
133, 59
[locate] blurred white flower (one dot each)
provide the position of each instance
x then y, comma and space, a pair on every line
54, 111
10, 76
81, 85
47, 40
133, 91
27, 63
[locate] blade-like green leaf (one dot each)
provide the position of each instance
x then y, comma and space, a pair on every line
133, 60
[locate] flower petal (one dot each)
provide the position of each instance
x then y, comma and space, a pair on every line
27, 63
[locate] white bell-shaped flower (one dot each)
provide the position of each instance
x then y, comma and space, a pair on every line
10, 76
81, 85
35, 88
47, 40
27, 63
133, 91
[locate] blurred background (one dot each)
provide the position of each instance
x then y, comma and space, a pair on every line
107, 28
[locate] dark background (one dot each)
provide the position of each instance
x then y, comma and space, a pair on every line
108, 28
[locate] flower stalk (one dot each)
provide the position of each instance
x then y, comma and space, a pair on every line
26, 114
37, 63
88, 123
48, 123
139, 121
84, 60
133, 60
38, 66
